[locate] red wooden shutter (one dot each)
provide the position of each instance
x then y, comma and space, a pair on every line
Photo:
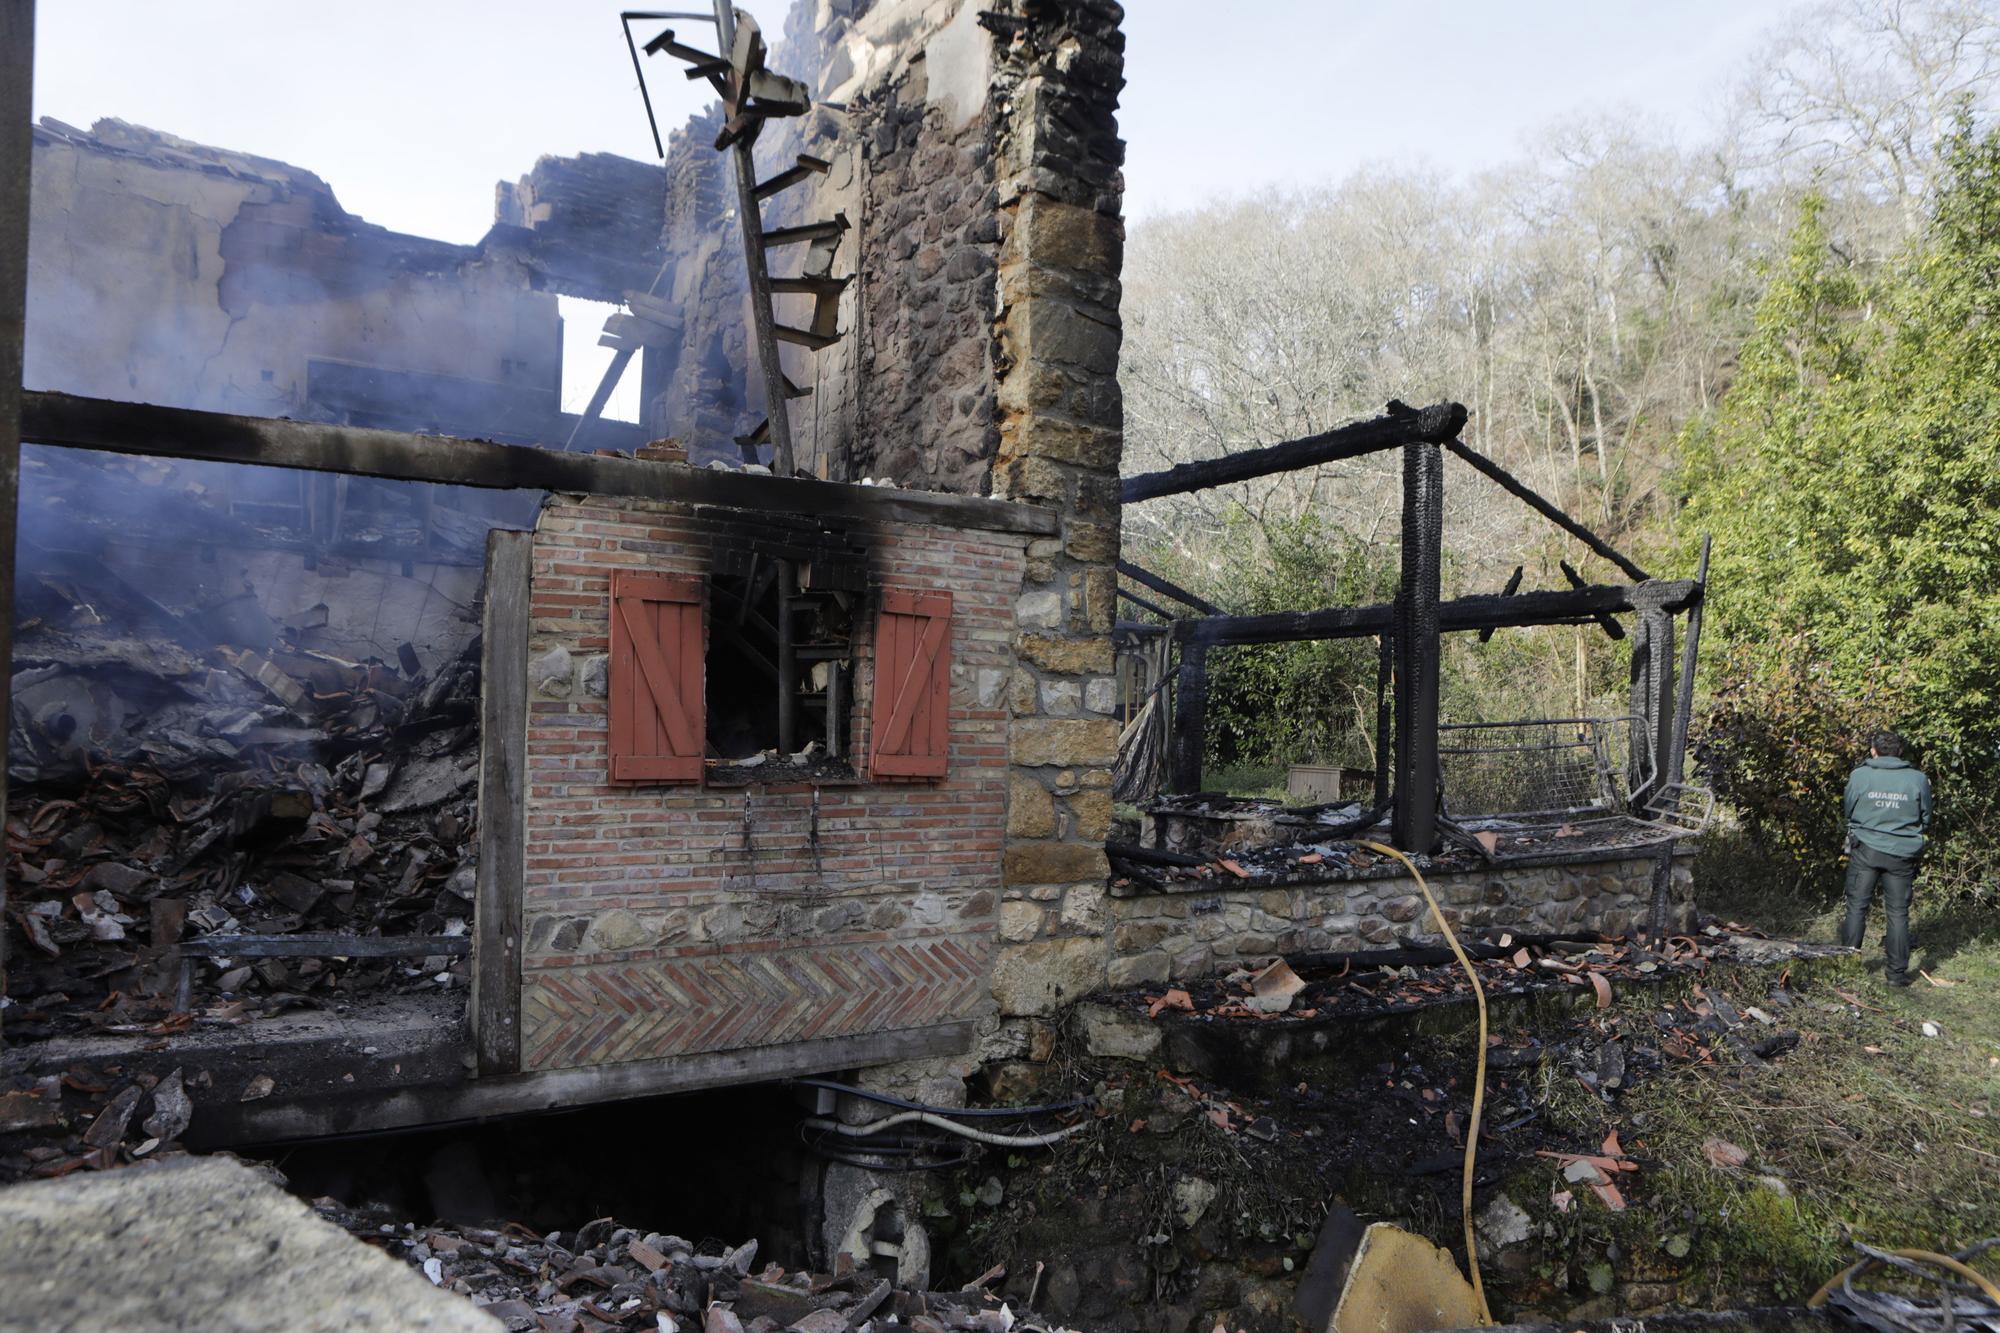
912, 736
658, 729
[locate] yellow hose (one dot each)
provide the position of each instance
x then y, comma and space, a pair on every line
1957, 1266
1478, 1078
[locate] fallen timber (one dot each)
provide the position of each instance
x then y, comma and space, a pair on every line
173, 432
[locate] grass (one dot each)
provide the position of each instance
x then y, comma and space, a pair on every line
1869, 1130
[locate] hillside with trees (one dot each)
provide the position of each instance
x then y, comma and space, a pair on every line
1782, 335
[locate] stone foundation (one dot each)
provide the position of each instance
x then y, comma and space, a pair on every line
1158, 937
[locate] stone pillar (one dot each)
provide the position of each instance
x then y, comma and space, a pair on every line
1058, 68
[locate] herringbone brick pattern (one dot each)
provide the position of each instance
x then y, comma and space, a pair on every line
645, 1009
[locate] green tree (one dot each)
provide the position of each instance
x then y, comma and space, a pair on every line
1850, 478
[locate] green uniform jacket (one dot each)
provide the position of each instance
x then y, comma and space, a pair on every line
1889, 806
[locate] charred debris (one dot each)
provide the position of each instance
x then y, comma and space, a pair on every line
203, 780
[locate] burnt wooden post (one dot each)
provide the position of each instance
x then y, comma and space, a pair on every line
1653, 695
1190, 718
1385, 674
1673, 763
503, 744
17, 72
1414, 823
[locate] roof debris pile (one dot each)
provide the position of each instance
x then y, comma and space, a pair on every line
162, 791
607, 1276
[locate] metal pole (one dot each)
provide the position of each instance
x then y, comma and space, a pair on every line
17, 148
1418, 641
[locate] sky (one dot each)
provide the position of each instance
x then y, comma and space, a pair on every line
412, 110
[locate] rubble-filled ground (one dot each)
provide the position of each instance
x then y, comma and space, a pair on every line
606, 1276
1713, 1136
160, 793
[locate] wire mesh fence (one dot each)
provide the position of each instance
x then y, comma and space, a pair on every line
1551, 768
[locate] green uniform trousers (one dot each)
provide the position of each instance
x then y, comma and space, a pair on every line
1898, 876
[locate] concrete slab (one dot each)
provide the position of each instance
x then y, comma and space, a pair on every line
199, 1243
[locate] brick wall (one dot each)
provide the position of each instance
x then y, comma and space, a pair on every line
650, 930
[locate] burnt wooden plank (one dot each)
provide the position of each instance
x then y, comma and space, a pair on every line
1612, 629
1458, 615
174, 432
1399, 426
1507, 482
320, 944
284, 1117
1168, 587
503, 758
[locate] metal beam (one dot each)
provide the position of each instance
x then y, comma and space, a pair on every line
1400, 425
216, 437
1479, 612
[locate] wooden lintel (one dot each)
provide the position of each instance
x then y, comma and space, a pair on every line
216, 437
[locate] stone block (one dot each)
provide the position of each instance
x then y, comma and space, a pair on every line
1020, 922
616, 930
1059, 235
1041, 977
1074, 657
1076, 442
1061, 698
1031, 813
1403, 909
1143, 969
1117, 1034
1039, 608
1093, 543
1101, 695
1052, 863
1083, 908
1131, 937
1038, 741
1090, 815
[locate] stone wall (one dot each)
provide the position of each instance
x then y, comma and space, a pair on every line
1158, 937
656, 923
1060, 427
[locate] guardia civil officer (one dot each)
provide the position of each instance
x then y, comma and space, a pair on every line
1888, 813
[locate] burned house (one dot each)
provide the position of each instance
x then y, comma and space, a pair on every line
395, 749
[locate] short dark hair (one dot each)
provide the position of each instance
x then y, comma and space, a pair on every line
1887, 744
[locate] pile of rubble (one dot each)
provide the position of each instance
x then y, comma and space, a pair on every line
608, 1276
157, 793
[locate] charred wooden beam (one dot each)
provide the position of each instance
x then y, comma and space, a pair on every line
1522, 492
1461, 614
1171, 589
1513, 586
1417, 629
1612, 629
1399, 426
1190, 719
216, 437
1145, 605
